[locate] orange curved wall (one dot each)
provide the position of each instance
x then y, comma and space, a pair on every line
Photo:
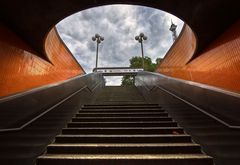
218, 65
21, 69
181, 52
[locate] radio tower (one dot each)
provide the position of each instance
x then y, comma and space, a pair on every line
173, 28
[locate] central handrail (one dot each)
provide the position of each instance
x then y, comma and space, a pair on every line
117, 71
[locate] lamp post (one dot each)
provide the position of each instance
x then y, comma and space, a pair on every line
173, 28
140, 39
98, 39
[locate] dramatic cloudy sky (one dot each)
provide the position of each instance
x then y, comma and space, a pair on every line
118, 24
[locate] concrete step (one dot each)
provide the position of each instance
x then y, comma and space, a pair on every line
123, 130
141, 148
120, 110
122, 105
133, 159
122, 101
123, 124
85, 114
123, 138
122, 119
123, 134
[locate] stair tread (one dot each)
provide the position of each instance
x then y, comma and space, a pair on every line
107, 117
123, 145
124, 156
127, 128
103, 113
123, 130
122, 122
121, 110
110, 107
143, 104
165, 135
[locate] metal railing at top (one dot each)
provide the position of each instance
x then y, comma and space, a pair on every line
117, 71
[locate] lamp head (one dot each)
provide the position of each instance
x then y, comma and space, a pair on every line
94, 38
141, 35
137, 38
97, 35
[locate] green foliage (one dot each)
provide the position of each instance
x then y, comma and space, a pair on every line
136, 62
127, 80
158, 61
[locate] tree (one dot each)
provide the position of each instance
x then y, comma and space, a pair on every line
158, 61
136, 62
127, 80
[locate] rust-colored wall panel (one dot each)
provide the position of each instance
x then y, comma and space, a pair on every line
218, 65
182, 50
59, 54
21, 69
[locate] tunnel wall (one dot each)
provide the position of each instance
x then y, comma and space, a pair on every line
181, 51
21, 69
218, 65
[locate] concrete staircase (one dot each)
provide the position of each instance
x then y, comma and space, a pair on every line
123, 133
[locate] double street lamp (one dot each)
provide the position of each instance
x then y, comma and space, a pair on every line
98, 39
140, 38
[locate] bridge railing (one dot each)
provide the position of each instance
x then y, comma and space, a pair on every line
117, 71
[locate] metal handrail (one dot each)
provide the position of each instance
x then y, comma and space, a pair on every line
43, 113
192, 105
48, 110
199, 109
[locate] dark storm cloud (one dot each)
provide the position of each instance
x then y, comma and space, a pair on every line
119, 24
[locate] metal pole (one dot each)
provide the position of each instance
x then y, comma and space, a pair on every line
142, 55
134, 80
97, 56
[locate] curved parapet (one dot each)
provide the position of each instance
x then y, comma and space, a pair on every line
58, 54
218, 65
22, 69
180, 53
